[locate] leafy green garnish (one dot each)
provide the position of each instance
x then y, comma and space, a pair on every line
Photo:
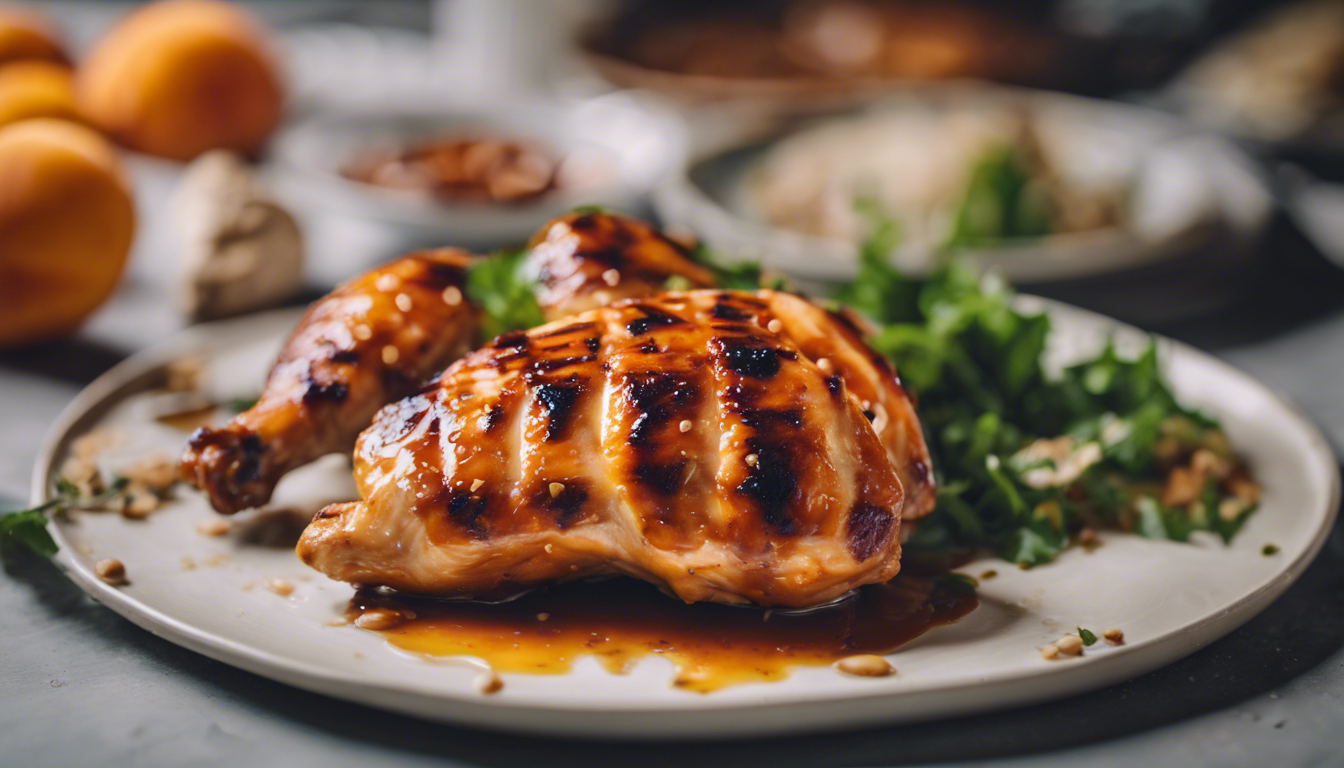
499, 286
975, 364
240, 404
28, 527
734, 276
1002, 201
1087, 637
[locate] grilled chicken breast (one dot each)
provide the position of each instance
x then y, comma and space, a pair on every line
587, 260
371, 341
728, 446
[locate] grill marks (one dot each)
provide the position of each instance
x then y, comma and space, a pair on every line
869, 527
557, 403
654, 398
652, 318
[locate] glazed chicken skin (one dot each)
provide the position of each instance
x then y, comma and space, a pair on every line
586, 260
336, 370
371, 341
693, 439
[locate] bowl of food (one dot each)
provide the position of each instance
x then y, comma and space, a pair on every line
480, 174
1040, 186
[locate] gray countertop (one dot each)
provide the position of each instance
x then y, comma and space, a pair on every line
81, 686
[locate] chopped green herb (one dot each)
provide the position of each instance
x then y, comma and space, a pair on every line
1003, 200
1269, 550
240, 404
1087, 637
28, 527
505, 294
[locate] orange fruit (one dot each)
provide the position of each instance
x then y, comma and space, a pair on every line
36, 89
180, 77
66, 223
25, 35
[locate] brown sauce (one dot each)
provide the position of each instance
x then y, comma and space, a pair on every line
619, 621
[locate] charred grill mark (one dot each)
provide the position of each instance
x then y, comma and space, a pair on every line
501, 362
512, 340
583, 222
593, 343
649, 347
652, 318
724, 311
316, 392
433, 428
568, 329
465, 509
772, 484
833, 384
662, 479
443, 275
249, 463
557, 400
869, 415
656, 397
870, 529
492, 418
749, 356
555, 363
345, 356
566, 504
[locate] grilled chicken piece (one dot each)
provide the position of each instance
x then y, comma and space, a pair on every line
587, 260
692, 439
371, 341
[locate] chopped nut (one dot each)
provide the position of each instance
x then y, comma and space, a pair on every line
391, 355
824, 363
549, 548
752, 459
362, 332
1114, 636
611, 277
543, 616
1231, 508
138, 502
1050, 652
403, 302
82, 473
1070, 461
112, 571
988, 574
1087, 536
379, 619
1243, 488
1070, 645
155, 471
685, 425
774, 326
452, 295
215, 526
489, 682
476, 484
281, 587
556, 489
865, 665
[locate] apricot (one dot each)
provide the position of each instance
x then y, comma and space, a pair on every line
180, 77
36, 89
25, 35
66, 224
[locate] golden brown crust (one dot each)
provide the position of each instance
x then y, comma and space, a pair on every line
373, 340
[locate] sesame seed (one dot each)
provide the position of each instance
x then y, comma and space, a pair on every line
751, 459
556, 489
111, 570
824, 363
774, 326
387, 282
685, 425
549, 548
611, 277
452, 295
403, 302
476, 484
363, 332
391, 354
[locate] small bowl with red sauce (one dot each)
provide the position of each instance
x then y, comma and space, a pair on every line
482, 175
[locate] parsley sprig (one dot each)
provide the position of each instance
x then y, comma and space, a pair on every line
28, 527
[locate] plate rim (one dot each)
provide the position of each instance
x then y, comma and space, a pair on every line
704, 714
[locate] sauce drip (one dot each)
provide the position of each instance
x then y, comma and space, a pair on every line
619, 621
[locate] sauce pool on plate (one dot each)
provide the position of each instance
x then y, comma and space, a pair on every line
618, 621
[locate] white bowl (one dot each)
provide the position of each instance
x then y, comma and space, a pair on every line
627, 141
1186, 190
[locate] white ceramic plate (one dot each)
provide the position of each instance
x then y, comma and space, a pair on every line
621, 144
1184, 191
1170, 599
